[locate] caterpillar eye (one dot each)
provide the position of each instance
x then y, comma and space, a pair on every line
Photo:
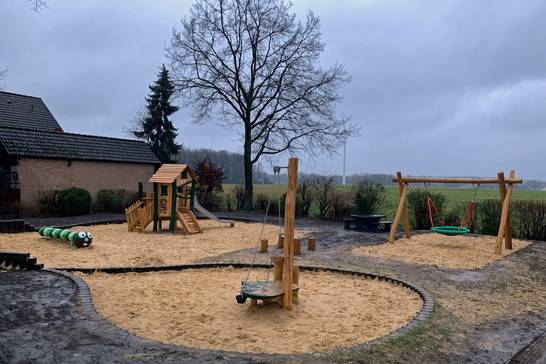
82, 234
89, 235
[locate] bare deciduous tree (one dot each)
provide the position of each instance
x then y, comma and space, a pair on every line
252, 64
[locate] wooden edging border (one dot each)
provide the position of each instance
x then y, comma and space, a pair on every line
88, 307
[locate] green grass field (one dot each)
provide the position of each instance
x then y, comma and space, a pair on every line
455, 196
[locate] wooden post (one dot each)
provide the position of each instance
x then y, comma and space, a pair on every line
277, 268
280, 242
398, 215
296, 275
297, 246
172, 195
311, 244
504, 218
405, 216
156, 205
264, 244
502, 189
289, 217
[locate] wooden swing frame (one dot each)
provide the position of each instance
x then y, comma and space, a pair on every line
505, 227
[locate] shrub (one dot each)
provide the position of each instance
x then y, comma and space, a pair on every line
228, 198
209, 178
274, 207
74, 201
306, 193
488, 216
214, 201
260, 201
239, 194
418, 209
323, 187
368, 197
529, 219
109, 200
341, 204
114, 200
299, 205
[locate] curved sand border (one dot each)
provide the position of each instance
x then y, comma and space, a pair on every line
194, 309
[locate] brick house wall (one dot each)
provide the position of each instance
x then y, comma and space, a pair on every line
37, 175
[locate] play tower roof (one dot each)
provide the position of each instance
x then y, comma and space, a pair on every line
168, 173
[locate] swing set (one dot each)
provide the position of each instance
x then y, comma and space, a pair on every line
505, 228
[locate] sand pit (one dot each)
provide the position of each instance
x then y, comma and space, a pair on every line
114, 246
466, 252
197, 308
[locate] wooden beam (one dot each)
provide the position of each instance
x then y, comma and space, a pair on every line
502, 189
504, 218
481, 181
405, 216
398, 215
289, 217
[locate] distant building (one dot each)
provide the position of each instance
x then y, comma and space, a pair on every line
37, 156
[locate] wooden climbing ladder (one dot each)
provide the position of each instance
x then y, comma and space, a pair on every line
188, 221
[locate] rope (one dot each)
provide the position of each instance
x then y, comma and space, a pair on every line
468, 217
258, 247
430, 207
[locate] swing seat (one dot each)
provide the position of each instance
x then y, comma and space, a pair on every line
264, 290
451, 230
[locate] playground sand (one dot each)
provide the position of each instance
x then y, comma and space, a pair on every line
466, 252
197, 308
114, 246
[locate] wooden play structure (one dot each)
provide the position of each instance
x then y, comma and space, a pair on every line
284, 287
505, 228
172, 200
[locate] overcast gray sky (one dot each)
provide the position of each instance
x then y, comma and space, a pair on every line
439, 87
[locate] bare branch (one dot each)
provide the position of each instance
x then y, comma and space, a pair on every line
38, 5
252, 64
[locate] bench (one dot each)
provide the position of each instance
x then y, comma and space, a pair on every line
369, 223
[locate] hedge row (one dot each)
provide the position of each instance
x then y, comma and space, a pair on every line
78, 201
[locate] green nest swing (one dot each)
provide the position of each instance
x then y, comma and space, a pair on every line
450, 230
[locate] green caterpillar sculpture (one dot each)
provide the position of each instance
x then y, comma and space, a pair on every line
80, 239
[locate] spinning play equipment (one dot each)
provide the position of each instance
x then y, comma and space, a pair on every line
284, 287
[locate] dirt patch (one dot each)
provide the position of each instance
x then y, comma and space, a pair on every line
466, 252
113, 245
197, 308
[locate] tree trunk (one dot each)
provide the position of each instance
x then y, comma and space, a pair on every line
249, 187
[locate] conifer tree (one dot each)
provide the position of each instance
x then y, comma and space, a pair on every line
154, 126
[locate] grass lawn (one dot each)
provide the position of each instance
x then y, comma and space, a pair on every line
455, 196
